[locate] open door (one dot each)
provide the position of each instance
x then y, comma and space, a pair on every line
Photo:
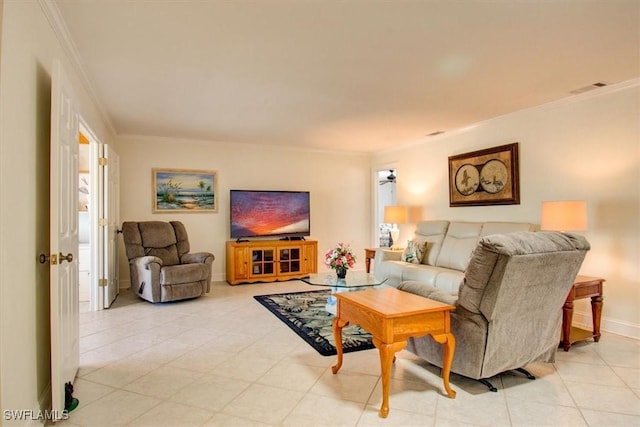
65, 349
109, 221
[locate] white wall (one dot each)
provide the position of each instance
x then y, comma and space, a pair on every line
586, 147
29, 47
339, 183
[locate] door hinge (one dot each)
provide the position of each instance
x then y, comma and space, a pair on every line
102, 222
102, 282
102, 161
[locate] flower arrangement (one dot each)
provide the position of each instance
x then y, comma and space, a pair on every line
340, 258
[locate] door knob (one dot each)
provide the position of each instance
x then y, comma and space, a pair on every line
44, 258
68, 257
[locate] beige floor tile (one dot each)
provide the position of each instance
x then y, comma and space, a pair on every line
345, 386
547, 389
226, 420
598, 418
244, 368
163, 382
211, 392
396, 417
480, 407
315, 410
201, 359
603, 398
527, 413
630, 376
263, 403
588, 374
292, 376
121, 373
115, 409
172, 414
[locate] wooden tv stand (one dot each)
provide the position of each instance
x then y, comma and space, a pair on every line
270, 260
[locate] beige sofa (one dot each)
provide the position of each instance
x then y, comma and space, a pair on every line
449, 248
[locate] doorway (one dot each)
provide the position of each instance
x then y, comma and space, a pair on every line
98, 221
385, 196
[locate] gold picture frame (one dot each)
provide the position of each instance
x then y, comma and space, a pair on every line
485, 177
184, 191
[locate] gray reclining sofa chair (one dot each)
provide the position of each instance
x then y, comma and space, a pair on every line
160, 265
509, 306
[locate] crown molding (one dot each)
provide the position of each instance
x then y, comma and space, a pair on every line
200, 141
53, 15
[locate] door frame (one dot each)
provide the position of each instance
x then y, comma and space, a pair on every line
95, 295
375, 196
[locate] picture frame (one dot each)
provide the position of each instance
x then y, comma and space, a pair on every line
184, 191
485, 177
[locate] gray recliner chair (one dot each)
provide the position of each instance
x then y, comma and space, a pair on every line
509, 307
160, 265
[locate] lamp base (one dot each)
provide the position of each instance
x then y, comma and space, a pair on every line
394, 235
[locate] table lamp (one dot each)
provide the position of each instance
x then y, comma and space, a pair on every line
564, 215
395, 215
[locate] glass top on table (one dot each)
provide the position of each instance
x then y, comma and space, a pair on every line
354, 279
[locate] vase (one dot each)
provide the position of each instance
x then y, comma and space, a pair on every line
341, 272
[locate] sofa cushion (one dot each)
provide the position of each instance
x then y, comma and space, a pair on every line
414, 252
458, 244
420, 273
432, 232
159, 240
168, 255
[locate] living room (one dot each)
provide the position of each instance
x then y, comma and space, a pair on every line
583, 147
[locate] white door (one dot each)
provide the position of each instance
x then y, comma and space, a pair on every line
65, 349
110, 172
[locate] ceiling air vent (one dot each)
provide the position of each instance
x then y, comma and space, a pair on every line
592, 86
438, 132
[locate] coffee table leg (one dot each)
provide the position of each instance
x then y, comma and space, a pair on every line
338, 324
387, 356
449, 342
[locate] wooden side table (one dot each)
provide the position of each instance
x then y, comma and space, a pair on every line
584, 287
392, 316
369, 254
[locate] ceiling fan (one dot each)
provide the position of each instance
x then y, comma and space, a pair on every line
390, 178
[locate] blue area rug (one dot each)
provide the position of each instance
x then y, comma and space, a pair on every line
306, 315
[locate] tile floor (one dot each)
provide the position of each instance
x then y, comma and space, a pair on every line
224, 360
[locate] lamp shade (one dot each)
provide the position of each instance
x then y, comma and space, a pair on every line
564, 215
395, 214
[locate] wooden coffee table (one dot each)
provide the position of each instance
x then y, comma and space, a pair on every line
392, 316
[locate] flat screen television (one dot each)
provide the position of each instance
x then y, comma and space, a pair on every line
270, 214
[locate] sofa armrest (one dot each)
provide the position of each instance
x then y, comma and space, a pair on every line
146, 262
145, 277
387, 255
197, 258
429, 291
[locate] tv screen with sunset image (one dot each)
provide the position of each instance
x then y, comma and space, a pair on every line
269, 213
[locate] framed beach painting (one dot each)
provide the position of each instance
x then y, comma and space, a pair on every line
485, 177
183, 190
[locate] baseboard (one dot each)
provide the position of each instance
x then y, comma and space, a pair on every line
584, 320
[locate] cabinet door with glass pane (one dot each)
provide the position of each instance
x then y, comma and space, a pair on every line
263, 262
289, 260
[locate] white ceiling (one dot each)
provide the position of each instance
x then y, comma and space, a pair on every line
355, 75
